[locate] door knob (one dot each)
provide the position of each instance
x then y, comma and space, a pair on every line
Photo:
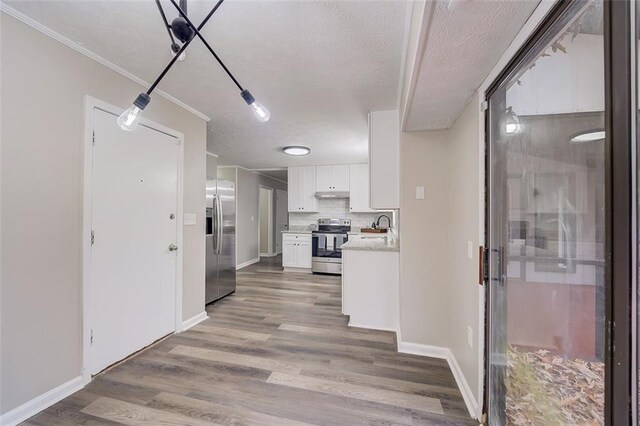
173, 247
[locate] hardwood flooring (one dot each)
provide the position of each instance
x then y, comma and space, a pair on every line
277, 352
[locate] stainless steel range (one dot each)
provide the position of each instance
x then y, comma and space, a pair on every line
326, 245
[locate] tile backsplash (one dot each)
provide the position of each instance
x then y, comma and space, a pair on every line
334, 208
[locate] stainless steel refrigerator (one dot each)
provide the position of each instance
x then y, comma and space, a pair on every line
221, 236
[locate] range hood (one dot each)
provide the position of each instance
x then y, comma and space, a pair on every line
332, 194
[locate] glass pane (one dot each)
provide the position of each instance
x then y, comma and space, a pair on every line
547, 225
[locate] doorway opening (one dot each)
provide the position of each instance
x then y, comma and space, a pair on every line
265, 223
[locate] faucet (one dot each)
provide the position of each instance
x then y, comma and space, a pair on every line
380, 217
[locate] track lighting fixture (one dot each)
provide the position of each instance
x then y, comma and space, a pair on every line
182, 29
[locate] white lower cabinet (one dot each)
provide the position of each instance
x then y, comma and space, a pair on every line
296, 251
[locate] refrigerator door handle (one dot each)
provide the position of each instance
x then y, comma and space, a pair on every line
215, 220
218, 246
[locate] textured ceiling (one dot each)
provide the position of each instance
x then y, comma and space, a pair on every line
464, 42
319, 66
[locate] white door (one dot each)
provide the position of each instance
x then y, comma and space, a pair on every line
282, 217
133, 272
307, 186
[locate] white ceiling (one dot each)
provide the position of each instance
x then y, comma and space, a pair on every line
463, 43
319, 66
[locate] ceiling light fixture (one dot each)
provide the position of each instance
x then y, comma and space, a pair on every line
590, 136
296, 150
185, 31
512, 123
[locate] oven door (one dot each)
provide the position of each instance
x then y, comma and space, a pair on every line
327, 246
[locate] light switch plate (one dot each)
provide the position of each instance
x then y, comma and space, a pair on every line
470, 249
419, 192
189, 219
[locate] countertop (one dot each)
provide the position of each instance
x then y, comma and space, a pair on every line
372, 244
297, 230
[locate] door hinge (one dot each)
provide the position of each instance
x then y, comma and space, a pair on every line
91, 338
484, 106
94, 137
93, 237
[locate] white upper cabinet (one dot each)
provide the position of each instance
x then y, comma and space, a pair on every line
359, 193
302, 189
332, 178
384, 159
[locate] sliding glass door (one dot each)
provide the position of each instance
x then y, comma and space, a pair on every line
547, 227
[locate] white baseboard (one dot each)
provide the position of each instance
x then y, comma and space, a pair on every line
445, 353
195, 320
268, 254
352, 324
41, 402
247, 263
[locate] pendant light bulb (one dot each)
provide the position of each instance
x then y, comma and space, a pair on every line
129, 119
174, 51
262, 114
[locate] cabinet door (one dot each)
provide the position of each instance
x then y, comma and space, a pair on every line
304, 254
293, 188
307, 192
339, 178
289, 254
323, 178
359, 188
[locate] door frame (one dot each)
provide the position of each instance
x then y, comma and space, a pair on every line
621, 290
270, 221
275, 220
91, 103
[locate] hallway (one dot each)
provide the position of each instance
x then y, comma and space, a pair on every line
276, 352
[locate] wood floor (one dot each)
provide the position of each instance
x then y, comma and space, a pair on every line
277, 352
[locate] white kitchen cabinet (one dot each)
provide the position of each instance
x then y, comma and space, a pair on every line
384, 159
332, 178
302, 189
359, 195
296, 251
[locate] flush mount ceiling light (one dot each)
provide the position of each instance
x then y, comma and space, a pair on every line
296, 150
512, 125
590, 136
183, 30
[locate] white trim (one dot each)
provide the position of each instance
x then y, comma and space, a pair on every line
41, 402
445, 353
94, 56
212, 154
270, 219
268, 254
247, 263
194, 320
91, 103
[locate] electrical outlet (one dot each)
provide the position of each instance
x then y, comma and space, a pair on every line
470, 249
470, 337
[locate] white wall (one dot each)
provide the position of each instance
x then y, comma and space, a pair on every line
43, 88
425, 301
439, 294
464, 226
